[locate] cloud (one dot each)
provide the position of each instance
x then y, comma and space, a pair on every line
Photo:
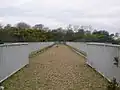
101, 14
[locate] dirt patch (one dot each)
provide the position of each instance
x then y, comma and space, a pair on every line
59, 68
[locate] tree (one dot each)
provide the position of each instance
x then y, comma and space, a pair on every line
22, 25
89, 27
23, 32
102, 36
1, 26
101, 32
38, 26
8, 26
46, 29
69, 35
69, 27
87, 32
117, 34
76, 28
81, 31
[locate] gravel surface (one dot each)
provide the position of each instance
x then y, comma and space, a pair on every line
58, 68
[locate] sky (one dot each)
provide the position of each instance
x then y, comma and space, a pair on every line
100, 14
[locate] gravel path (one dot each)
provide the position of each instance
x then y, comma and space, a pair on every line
56, 69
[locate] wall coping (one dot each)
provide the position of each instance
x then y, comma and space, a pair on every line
103, 44
13, 44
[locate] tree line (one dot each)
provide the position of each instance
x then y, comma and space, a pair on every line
23, 32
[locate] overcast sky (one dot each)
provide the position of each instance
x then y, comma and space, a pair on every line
101, 14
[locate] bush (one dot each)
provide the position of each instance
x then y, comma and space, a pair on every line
113, 85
